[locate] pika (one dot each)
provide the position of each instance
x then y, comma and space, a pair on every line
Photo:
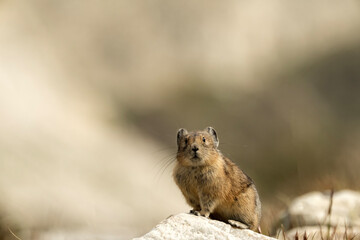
212, 184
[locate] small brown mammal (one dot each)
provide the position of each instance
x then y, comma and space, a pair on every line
212, 184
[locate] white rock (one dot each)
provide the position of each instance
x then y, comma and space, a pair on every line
319, 233
188, 226
312, 209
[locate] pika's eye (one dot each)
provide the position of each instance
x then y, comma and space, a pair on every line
204, 140
186, 141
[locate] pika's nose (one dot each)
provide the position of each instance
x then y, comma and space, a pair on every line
195, 148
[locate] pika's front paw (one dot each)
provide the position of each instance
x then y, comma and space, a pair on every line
196, 213
200, 213
205, 213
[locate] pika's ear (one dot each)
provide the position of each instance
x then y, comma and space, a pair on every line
181, 132
214, 135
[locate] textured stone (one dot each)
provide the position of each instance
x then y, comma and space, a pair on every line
310, 213
187, 226
317, 233
312, 209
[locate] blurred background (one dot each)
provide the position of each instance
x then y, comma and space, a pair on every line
93, 92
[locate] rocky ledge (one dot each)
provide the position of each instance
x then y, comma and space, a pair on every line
188, 226
320, 214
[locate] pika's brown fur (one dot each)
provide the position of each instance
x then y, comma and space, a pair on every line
212, 184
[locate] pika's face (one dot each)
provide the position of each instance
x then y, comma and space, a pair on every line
196, 148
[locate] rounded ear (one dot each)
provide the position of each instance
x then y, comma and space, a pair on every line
214, 135
181, 132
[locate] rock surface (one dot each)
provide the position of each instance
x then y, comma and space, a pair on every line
187, 226
309, 213
317, 233
312, 209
